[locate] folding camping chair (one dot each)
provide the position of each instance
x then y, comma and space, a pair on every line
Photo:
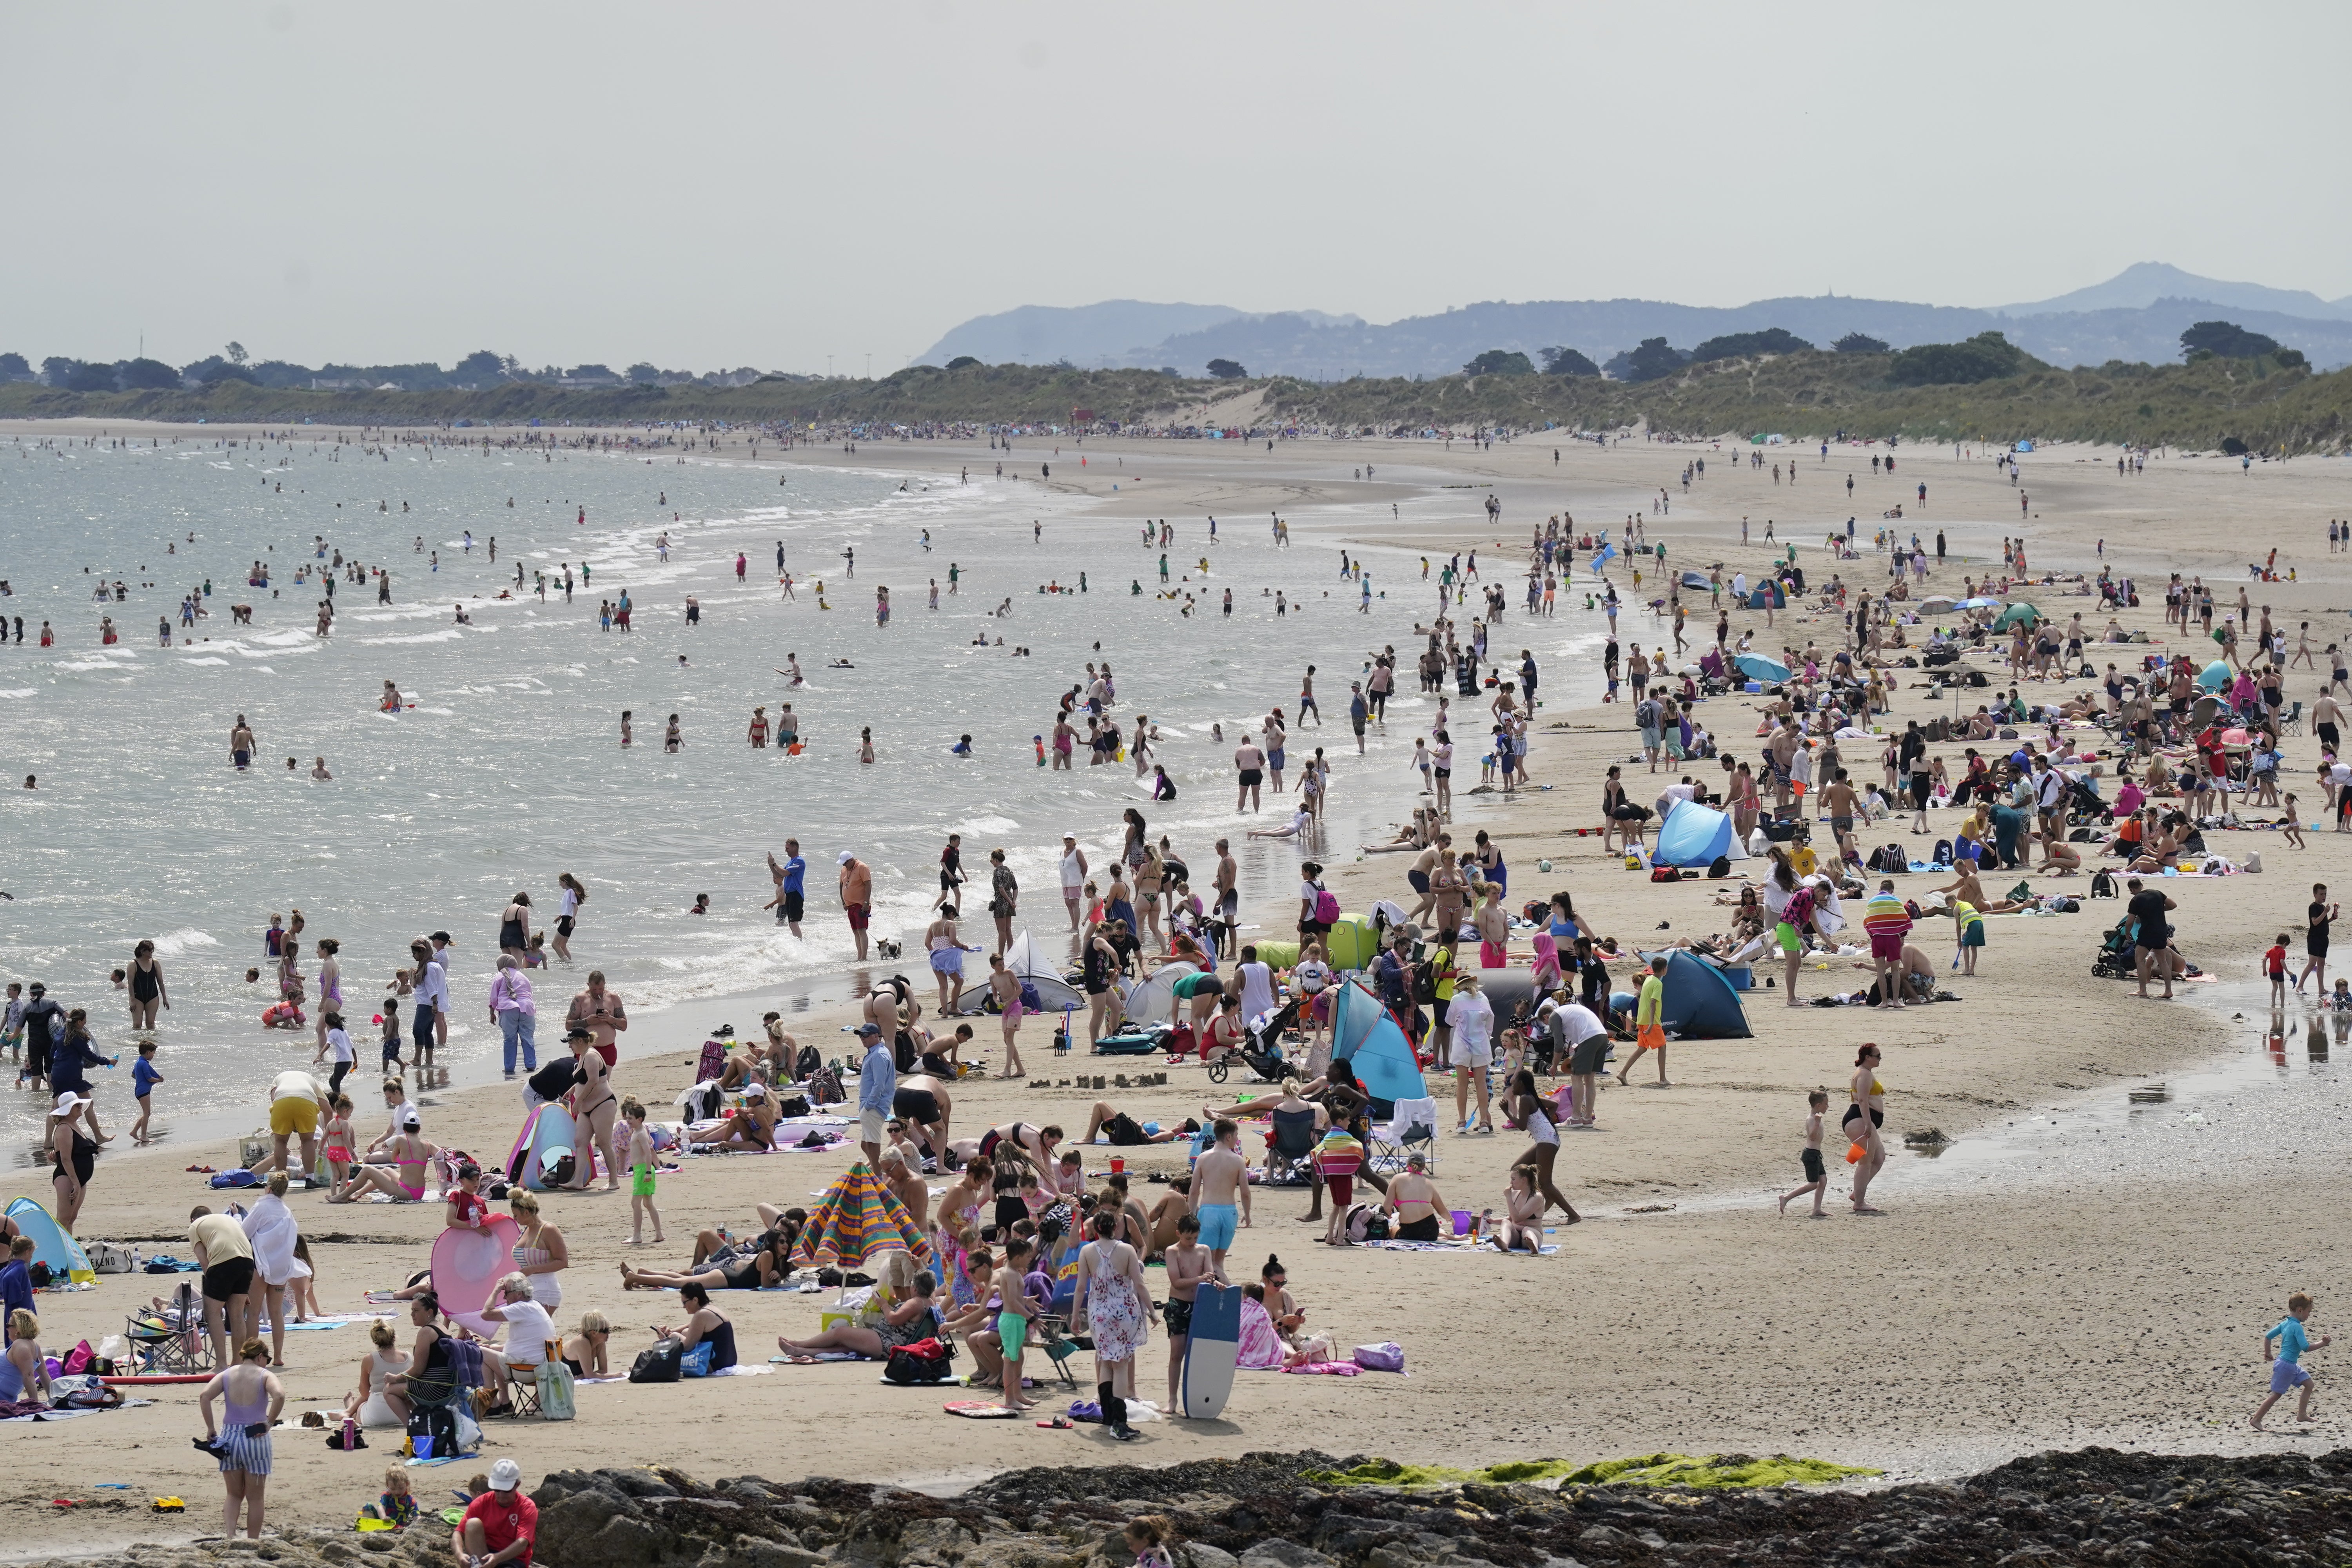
1289, 1146
172, 1340
1412, 1129
1052, 1336
2291, 721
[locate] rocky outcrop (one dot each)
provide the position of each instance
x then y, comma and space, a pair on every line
1258, 1512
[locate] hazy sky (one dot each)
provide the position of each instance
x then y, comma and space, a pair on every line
708, 185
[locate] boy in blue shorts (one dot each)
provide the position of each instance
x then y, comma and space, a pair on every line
2286, 1370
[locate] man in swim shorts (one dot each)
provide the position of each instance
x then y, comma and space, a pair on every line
240, 751
856, 897
1220, 1195
297, 1107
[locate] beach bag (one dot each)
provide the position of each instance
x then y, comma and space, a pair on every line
439, 1423
105, 1257
555, 1388
237, 1179
805, 1065
1943, 852
925, 1361
2253, 863
659, 1363
824, 1086
696, 1361
1327, 906
1664, 874
1388, 1356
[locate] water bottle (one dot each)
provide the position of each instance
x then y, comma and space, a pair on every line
350, 1434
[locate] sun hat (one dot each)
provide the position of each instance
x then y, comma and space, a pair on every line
66, 1101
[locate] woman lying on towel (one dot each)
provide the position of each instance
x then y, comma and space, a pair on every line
770, 1264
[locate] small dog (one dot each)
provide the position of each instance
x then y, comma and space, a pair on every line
886, 948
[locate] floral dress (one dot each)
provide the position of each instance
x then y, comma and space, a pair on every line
1115, 1315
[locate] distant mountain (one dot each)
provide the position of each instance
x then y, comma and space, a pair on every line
2143, 283
2137, 315
1085, 335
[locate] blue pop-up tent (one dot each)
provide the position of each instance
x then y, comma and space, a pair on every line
1365, 1038
1695, 580
1767, 592
1695, 835
1756, 666
1700, 1003
2216, 677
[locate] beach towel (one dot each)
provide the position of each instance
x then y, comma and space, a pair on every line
1324, 1369
1262, 1348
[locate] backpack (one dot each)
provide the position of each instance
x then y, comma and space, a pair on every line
2103, 884
1943, 855
1425, 982
659, 1363
1327, 906
805, 1065
824, 1086
925, 1361
1719, 867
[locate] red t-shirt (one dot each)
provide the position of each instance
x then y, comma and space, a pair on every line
505, 1516
2274, 960
471, 1208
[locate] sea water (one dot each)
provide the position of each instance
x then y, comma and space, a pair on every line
506, 768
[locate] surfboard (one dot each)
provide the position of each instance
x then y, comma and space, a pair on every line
51, 1244
978, 1410
1210, 1351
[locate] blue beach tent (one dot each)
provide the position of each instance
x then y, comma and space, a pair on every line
1695, 834
1367, 1039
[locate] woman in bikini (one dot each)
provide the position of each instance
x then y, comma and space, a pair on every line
1864, 1116
1414, 1201
147, 988
402, 1178
753, 1127
594, 1108
331, 984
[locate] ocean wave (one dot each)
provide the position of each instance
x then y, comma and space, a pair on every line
450, 633
171, 944
18, 691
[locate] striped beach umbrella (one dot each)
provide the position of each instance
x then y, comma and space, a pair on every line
857, 1220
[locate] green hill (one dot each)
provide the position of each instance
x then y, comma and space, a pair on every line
1804, 394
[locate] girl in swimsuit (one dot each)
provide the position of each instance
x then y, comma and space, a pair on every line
514, 927
1863, 1118
146, 987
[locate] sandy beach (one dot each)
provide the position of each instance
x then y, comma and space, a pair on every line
2034, 1296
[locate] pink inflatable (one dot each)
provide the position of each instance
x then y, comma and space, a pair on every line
467, 1266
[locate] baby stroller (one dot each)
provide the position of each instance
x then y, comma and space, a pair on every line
1262, 1049
2115, 959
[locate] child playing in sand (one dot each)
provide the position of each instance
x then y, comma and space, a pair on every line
2286, 1369
1522, 1227
144, 1079
2291, 825
1817, 1176
2274, 965
642, 1172
395, 1504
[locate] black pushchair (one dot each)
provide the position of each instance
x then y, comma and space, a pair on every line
2117, 958
1262, 1049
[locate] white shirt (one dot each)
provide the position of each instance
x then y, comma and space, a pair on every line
1074, 872
1257, 989
341, 1044
570, 904
1472, 1019
1311, 975
1578, 1022
433, 990
528, 1328
295, 1084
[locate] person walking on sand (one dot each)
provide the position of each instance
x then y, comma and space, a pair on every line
1817, 1177
2287, 1362
1649, 1022
856, 898
1865, 1116
1220, 1193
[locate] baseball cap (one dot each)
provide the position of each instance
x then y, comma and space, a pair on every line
578, 1033
444, 937
410, 1118
505, 1476
869, 1029
846, 858
37, 989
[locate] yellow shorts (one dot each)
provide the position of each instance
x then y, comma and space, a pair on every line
294, 1115
1651, 1038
